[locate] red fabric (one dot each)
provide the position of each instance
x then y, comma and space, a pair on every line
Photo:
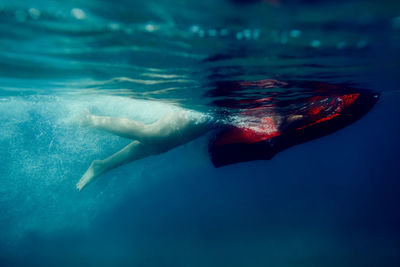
320, 109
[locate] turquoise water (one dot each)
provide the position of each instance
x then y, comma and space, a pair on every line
329, 202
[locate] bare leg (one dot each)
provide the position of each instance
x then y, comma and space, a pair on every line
131, 152
119, 126
170, 131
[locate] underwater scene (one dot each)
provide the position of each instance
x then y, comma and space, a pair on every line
199, 133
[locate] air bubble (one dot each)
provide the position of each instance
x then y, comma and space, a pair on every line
256, 34
201, 33
315, 43
223, 32
396, 23
341, 45
362, 44
194, 29
212, 32
284, 38
34, 13
295, 33
247, 34
128, 30
78, 13
150, 27
114, 26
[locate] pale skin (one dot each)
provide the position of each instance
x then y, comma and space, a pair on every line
172, 130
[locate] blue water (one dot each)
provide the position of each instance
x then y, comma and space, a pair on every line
329, 202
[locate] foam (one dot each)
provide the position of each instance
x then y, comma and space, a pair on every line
46, 152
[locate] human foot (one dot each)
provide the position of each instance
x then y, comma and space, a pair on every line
94, 170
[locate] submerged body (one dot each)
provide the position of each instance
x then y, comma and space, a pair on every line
263, 136
172, 130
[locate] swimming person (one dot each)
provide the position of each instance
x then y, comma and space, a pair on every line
261, 133
172, 130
